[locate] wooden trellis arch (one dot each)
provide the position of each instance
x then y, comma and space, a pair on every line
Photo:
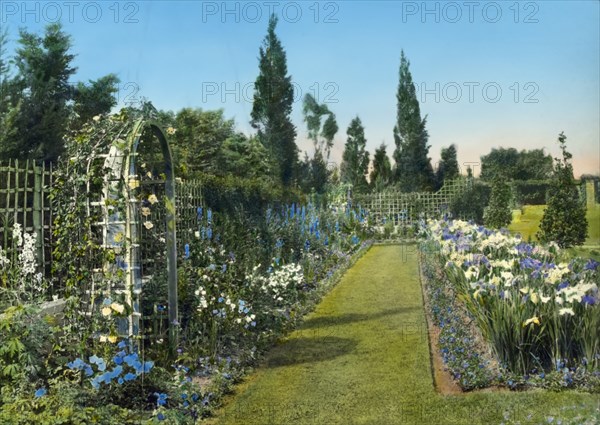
121, 166
110, 158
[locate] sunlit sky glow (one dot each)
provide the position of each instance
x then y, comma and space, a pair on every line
495, 73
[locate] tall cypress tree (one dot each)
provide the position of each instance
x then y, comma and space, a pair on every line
273, 98
355, 159
413, 170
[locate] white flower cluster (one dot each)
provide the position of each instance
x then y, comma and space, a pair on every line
289, 275
27, 260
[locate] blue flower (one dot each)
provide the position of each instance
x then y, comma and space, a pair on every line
129, 377
161, 399
160, 417
41, 392
199, 212
122, 344
187, 250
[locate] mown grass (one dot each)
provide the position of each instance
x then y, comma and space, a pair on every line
362, 357
527, 222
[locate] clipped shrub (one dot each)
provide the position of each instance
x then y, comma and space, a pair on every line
498, 213
564, 221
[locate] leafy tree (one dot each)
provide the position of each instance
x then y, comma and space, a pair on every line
448, 167
245, 157
315, 173
533, 165
355, 159
198, 140
413, 169
44, 69
498, 213
564, 219
37, 103
381, 175
273, 98
95, 98
525, 165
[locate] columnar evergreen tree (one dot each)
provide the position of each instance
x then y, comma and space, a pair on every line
413, 170
564, 220
381, 175
273, 98
355, 159
498, 213
448, 167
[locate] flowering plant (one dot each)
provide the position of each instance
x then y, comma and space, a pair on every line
537, 311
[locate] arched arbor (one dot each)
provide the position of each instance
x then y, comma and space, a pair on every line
120, 183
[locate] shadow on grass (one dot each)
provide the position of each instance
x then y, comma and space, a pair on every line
309, 350
325, 321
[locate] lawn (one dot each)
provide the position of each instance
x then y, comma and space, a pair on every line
526, 221
363, 358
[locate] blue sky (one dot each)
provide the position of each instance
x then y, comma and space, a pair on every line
488, 73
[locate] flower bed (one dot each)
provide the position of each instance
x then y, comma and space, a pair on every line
540, 315
244, 281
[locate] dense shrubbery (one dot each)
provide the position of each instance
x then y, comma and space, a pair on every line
471, 204
531, 192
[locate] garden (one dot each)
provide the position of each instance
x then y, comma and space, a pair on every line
161, 266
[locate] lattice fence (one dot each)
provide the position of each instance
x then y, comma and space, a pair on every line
405, 208
24, 198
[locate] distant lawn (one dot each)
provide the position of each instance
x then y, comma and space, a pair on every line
527, 221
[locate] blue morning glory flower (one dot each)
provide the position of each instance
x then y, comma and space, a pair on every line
130, 359
129, 377
41, 392
122, 344
187, 250
161, 398
160, 417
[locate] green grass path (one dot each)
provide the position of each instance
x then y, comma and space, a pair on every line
362, 357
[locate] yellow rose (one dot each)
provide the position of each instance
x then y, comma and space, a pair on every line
106, 311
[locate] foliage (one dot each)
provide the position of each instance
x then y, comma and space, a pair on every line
413, 170
538, 314
448, 166
314, 171
39, 103
470, 205
466, 361
95, 98
198, 140
564, 221
273, 99
381, 175
355, 159
531, 192
525, 165
498, 213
